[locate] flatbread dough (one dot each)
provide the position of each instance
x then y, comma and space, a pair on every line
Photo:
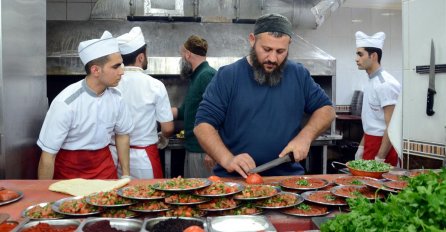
83, 187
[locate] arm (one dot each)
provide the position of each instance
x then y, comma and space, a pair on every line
46, 166
211, 142
175, 112
319, 121
123, 149
385, 143
167, 128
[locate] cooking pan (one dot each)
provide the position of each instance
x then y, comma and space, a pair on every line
357, 172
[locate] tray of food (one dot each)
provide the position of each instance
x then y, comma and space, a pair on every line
141, 192
398, 185
49, 225
257, 192
8, 196
281, 200
184, 211
220, 189
350, 191
110, 224
182, 184
108, 199
304, 183
240, 223
306, 210
118, 213
162, 224
324, 198
352, 180
378, 184
396, 175
75, 206
246, 208
218, 204
150, 206
41, 211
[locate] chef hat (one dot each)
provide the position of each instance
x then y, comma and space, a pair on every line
95, 48
374, 41
132, 41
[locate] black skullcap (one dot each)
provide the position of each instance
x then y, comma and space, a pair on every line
196, 45
273, 23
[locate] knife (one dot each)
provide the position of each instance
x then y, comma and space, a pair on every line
273, 163
431, 89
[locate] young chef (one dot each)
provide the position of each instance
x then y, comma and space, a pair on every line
380, 97
252, 110
83, 117
148, 102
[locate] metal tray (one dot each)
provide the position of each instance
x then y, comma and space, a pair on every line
239, 187
133, 225
58, 203
12, 200
240, 223
120, 192
57, 223
307, 195
240, 197
204, 183
130, 201
324, 181
44, 204
297, 200
150, 223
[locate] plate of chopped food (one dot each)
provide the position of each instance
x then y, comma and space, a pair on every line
184, 199
257, 192
41, 211
182, 184
306, 210
141, 192
304, 183
324, 198
220, 189
281, 200
150, 206
75, 206
108, 199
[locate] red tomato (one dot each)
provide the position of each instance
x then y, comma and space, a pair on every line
254, 178
214, 178
193, 229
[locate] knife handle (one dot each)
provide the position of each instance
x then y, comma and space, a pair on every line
430, 102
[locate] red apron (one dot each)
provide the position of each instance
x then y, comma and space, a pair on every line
371, 148
154, 157
87, 164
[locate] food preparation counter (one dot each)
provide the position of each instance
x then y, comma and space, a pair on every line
36, 191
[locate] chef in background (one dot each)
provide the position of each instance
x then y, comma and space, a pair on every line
81, 120
148, 102
195, 68
252, 110
380, 97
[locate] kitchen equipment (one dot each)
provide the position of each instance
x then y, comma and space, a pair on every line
431, 90
273, 163
356, 172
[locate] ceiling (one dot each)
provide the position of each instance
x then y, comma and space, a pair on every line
374, 4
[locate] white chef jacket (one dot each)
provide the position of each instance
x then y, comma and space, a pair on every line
381, 90
148, 102
78, 119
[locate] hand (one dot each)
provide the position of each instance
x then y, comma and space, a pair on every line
162, 141
379, 159
126, 177
209, 162
359, 153
299, 147
241, 163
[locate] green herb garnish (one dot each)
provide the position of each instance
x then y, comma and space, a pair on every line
369, 165
356, 182
304, 207
302, 182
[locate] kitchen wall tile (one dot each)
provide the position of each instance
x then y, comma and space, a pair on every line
79, 11
56, 11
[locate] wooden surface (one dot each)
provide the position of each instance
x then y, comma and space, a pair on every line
36, 191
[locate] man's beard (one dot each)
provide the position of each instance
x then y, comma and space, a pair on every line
185, 68
272, 78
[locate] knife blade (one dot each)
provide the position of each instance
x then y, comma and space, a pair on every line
431, 89
273, 163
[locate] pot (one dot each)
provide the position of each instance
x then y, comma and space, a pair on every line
357, 172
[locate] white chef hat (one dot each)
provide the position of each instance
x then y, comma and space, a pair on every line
374, 41
132, 41
95, 48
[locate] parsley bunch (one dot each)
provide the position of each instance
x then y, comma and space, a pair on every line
419, 207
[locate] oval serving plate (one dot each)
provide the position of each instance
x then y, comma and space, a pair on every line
34, 212
149, 207
324, 198
220, 189
92, 210
185, 199
304, 183
351, 191
401, 175
121, 201
306, 210
229, 204
257, 192
377, 184
118, 213
141, 192
352, 180
182, 184
20, 195
280, 201
399, 185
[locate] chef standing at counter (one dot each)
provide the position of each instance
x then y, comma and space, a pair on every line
82, 119
380, 97
148, 103
252, 110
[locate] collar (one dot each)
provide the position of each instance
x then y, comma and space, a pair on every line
90, 91
132, 69
376, 73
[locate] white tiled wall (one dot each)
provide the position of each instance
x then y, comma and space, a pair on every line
335, 36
